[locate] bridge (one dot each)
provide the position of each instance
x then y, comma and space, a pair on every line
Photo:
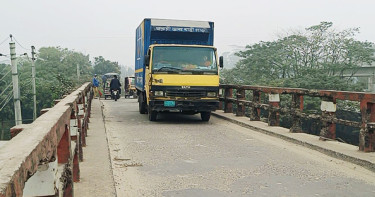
90, 147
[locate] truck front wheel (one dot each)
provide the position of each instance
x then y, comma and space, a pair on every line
206, 115
142, 103
152, 114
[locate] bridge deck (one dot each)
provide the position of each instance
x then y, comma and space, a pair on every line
96, 173
179, 155
2, 143
335, 149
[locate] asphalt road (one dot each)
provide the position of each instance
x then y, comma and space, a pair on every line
179, 155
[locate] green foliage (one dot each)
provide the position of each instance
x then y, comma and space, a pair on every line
313, 59
102, 66
54, 61
56, 75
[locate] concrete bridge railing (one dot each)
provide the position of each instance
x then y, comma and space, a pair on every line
42, 158
236, 94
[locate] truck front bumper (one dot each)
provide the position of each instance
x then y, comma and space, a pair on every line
185, 105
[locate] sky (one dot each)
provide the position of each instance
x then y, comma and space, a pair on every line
107, 27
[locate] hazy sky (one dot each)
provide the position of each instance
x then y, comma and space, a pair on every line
107, 27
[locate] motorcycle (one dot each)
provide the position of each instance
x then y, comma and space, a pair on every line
115, 94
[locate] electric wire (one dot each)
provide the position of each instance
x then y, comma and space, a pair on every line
3, 68
5, 75
20, 44
6, 97
10, 96
4, 40
5, 89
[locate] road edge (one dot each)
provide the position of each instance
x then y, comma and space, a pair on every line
108, 146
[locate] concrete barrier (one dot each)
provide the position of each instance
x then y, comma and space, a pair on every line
42, 158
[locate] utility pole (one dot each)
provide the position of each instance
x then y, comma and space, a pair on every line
33, 79
16, 89
78, 72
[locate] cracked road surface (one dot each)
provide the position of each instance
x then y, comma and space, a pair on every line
179, 155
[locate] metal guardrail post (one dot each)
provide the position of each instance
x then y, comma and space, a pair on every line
240, 105
74, 136
297, 107
220, 102
80, 117
328, 108
63, 157
228, 106
255, 111
274, 115
370, 146
366, 133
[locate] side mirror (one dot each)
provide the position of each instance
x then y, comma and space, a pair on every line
147, 60
221, 61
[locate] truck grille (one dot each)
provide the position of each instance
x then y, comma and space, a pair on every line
186, 93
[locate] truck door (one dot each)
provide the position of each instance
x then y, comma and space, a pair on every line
148, 75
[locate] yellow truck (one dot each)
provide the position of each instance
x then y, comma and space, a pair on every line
176, 67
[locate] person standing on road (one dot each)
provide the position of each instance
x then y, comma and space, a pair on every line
95, 86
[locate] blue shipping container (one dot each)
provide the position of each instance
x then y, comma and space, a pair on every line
164, 31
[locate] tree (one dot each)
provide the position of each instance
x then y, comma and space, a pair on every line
302, 59
102, 66
56, 75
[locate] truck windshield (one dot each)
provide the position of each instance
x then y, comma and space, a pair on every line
184, 60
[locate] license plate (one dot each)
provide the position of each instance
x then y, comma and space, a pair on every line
169, 103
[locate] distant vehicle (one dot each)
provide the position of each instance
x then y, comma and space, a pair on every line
129, 87
115, 94
176, 67
106, 84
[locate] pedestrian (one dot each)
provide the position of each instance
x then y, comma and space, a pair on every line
104, 80
95, 86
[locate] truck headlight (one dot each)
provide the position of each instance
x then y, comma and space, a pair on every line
211, 94
159, 93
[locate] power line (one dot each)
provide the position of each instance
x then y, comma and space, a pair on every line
20, 44
5, 75
4, 40
10, 96
5, 67
6, 97
5, 89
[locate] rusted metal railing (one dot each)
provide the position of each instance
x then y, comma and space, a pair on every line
42, 158
327, 117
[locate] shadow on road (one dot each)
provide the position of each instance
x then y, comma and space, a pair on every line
177, 118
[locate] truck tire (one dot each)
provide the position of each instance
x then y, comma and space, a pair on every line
152, 114
205, 116
142, 104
